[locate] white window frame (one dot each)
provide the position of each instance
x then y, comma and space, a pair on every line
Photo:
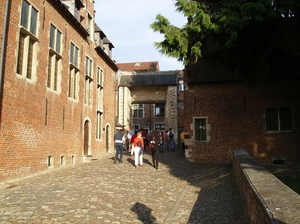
73, 72
54, 66
28, 42
201, 133
88, 81
136, 107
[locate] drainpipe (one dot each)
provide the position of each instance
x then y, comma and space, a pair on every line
3, 48
123, 106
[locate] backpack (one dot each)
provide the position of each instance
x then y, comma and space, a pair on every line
141, 148
171, 135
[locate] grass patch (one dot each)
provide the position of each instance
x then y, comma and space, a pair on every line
291, 182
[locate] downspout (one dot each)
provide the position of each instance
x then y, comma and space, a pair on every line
3, 47
123, 106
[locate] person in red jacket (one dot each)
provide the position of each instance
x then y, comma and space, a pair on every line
132, 140
138, 150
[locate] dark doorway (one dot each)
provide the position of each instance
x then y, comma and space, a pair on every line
107, 138
86, 138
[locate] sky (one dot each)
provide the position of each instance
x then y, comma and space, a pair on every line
126, 23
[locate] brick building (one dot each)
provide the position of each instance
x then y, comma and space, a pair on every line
221, 113
56, 74
148, 98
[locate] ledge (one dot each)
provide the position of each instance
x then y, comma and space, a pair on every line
265, 197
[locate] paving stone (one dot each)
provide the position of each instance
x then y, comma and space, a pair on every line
104, 192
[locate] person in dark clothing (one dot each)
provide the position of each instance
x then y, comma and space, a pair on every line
155, 150
119, 139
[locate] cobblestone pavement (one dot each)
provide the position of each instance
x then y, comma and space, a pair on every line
104, 192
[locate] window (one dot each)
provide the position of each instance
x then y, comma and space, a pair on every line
27, 53
99, 89
200, 129
159, 126
74, 52
90, 25
74, 72
99, 102
279, 119
54, 58
136, 127
98, 125
29, 17
88, 81
180, 86
138, 110
99, 76
159, 110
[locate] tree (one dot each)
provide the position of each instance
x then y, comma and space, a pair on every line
245, 33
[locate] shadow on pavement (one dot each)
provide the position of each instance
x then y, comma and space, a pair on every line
218, 199
143, 212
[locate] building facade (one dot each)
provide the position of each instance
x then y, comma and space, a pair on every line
147, 99
56, 77
221, 113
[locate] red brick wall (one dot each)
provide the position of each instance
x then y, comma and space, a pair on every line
149, 118
25, 140
236, 117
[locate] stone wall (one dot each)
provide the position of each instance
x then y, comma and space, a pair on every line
266, 199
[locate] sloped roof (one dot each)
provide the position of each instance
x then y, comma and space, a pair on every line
139, 66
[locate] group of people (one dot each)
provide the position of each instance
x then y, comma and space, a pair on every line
136, 142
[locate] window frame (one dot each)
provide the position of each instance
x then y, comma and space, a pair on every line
160, 125
136, 126
139, 109
28, 41
73, 72
278, 117
200, 136
99, 118
88, 87
27, 19
160, 107
74, 55
99, 90
54, 62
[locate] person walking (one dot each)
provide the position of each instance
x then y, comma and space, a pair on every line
130, 133
166, 141
150, 135
132, 140
138, 150
155, 150
171, 140
119, 140
182, 136
162, 138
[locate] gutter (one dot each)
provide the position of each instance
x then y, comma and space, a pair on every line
3, 47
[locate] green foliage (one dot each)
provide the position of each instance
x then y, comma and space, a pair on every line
245, 31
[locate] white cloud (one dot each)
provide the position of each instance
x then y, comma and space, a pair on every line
126, 24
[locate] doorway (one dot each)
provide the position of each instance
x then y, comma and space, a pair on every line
107, 138
86, 138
